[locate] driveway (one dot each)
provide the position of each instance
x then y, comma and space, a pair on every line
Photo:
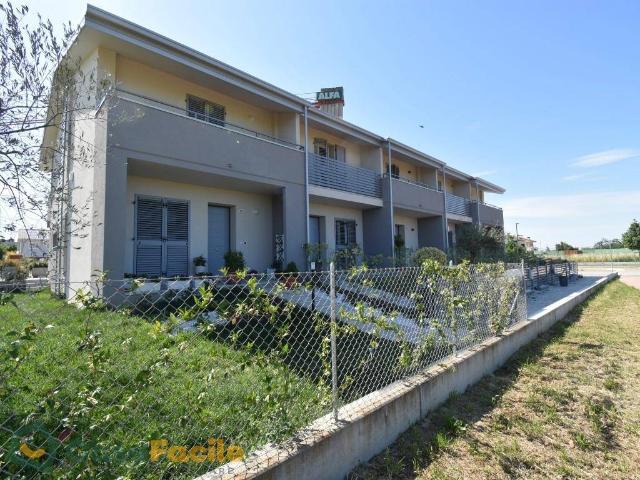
629, 274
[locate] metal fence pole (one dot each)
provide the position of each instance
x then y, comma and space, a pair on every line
524, 287
334, 360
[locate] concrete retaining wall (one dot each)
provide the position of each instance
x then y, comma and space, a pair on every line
327, 449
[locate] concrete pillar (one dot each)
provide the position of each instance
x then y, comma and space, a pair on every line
377, 223
294, 224
110, 204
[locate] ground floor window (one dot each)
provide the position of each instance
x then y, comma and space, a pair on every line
345, 234
161, 236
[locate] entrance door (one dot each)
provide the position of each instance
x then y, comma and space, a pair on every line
219, 237
314, 230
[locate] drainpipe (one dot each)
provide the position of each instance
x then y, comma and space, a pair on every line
393, 250
306, 179
478, 201
444, 216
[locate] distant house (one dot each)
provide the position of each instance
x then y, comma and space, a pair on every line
33, 243
526, 243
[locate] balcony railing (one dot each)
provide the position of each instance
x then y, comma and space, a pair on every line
458, 205
198, 117
330, 173
413, 182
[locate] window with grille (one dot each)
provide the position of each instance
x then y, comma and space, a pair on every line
329, 150
345, 233
162, 237
205, 110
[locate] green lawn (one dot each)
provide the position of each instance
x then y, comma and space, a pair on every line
566, 406
112, 382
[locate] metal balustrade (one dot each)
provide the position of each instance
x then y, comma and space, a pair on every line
199, 117
413, 182
330, 173
458, 205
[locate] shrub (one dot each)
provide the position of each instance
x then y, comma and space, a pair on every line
234, 261
200, 261
429, 253
291, 267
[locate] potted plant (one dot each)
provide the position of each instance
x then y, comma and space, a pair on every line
289, 280
39, 269
200, 264
233, 263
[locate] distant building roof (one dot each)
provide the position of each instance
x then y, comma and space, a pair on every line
32, 234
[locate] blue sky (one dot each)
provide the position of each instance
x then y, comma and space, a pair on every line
540, 97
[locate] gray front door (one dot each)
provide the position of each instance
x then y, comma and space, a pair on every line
219, 234
314, 230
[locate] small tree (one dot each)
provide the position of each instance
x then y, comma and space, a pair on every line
45, 96
514, 251
631, 238
562, 246
476, 243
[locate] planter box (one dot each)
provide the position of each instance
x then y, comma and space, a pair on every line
39, 272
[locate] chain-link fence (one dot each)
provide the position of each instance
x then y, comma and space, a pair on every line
171, 378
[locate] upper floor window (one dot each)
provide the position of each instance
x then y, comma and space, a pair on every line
205, 110
329, 150
395, 170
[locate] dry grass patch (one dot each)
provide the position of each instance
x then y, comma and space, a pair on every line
566, 406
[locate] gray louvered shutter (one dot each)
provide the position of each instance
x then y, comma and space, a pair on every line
177, 238
149, 214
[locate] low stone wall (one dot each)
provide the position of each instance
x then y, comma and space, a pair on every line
327, 449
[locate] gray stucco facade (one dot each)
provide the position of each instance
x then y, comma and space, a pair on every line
251, 160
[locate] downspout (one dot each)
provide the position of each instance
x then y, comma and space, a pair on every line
393, 250
478, 201
444, 216
306, 181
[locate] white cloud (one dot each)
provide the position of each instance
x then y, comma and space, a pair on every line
580, 219
587, 177
606, 157
571, 206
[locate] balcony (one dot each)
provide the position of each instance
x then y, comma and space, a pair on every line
329, 173
459, 206
490, 215
413, 195
201, 118
157, 132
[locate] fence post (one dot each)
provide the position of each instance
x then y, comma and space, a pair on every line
524, 288
334, 360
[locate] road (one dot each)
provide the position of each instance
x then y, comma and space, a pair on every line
629, 274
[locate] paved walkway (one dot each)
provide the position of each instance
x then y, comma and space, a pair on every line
539, 299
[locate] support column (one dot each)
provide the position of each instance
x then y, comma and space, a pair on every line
109, 215
306, 177
393, 250
444, 213
294, 219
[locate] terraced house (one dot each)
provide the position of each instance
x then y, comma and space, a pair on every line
194, 157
